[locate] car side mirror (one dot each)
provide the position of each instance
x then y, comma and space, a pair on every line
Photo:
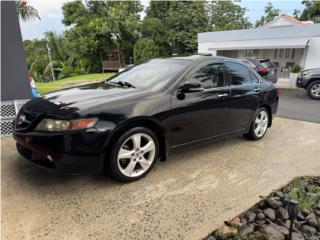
190, 87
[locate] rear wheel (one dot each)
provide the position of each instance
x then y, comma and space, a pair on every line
313, 90
259, 125
134, 154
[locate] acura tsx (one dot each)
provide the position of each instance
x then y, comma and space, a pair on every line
125, 124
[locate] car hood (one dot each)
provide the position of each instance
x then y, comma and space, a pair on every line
81, 98
311, 71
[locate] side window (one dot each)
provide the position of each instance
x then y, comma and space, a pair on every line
238, 74
255, 79
210, 76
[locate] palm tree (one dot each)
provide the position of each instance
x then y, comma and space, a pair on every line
26, 12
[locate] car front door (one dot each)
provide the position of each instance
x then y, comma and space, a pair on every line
244, 98
203, 113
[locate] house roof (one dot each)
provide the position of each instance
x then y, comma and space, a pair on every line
280, 32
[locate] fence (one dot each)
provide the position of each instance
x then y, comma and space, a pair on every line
9, 111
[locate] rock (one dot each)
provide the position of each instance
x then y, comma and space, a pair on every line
234, 223
270, 213
226, 232
243, 220
273, 203
297, 236
296, 225
260, 216
279, 194
308, 230
273, 234
246, 230
211, 238
251, 216
282, 213
312, 220
283, 230
300, 216
305, 212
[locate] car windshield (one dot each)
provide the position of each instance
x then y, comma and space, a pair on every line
153, 74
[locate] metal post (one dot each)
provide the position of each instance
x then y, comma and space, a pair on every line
48, 49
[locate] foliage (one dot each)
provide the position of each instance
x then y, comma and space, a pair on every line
96, 26
145, 49
311, 11
304, 191
26, 12
270, 14
185, 19
154, 29
71, 81
295, 69
225, 15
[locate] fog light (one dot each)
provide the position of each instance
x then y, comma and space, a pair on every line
50, 158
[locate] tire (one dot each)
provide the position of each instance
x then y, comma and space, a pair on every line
261, 119
136, 160
313, 90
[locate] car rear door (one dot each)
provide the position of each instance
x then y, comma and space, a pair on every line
244, 97
203, 114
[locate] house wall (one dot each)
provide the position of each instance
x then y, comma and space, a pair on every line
14, 76
313, 54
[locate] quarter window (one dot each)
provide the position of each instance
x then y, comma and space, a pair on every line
210, 76
238, 74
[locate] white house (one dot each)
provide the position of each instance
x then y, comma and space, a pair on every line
285, 40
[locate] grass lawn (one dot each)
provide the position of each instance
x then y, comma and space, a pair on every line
71, 81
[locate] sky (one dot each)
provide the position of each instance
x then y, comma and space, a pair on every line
51, 14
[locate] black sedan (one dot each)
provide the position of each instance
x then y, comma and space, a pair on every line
126, 124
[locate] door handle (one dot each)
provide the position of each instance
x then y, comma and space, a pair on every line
223, 95
256, 89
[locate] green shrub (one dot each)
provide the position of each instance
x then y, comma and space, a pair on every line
295, 68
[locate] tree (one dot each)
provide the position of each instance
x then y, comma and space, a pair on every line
96, 26
183, 19
26, 12
311, 11
270, 14
144, 49
154, 29
225, 15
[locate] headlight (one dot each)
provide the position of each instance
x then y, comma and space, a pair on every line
53, 125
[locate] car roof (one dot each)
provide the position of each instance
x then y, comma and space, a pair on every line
198, 57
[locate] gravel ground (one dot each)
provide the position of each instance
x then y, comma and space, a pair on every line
186, 197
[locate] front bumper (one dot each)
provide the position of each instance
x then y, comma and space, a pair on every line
65, 153
300, 83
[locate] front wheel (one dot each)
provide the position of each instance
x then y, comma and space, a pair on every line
313, 90
259, 125
134, 155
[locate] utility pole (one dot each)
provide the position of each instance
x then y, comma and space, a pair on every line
49, 54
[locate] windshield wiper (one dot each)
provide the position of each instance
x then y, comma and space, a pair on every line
124, 83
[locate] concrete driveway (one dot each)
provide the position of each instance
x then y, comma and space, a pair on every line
295, 104
185, 197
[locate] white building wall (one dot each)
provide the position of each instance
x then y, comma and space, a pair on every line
313, 54
203, 48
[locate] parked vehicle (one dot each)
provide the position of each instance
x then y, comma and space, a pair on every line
264, 67
310, 80
126, 124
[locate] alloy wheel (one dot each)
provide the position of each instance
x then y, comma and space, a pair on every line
315, 90
261, 123
136, 155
